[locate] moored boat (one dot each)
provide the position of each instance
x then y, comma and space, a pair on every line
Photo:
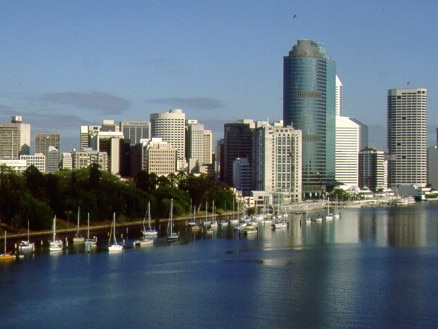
90, 242
150, 232
55, 244
78, 238
5, 257
172, 236
114, 247
26, 245
280, 224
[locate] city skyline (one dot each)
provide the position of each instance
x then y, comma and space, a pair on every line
66, 64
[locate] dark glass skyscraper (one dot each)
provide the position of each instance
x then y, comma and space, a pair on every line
309, 104
238, 143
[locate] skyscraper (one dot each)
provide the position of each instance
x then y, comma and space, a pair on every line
277, 160
170, 126
14, 138
407, 137
237, 144
135, 130
372, 169
309, 104
44, 140
347, 151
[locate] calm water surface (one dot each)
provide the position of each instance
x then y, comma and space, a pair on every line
373, 268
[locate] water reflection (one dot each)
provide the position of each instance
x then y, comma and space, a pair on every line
401, 226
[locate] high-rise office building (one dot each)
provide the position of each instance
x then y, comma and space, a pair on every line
277, 160
135, 130
407, 137
87, 156
87, 137
38, 160
347, 151
159, 157
373, 169
195, 141
111, 143
309, 104
242, 173
432, 164
237, 144
14, 139
198, 145
66, 161
44, 140
339, 87
170, 126
52, 159
208, 146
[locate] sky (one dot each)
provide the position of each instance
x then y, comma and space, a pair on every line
64, 64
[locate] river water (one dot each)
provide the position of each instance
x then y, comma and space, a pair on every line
373, 268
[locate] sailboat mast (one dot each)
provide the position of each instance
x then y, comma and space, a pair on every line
114, 220
79, 211
170, 215
149, 214
88, 225
54, 228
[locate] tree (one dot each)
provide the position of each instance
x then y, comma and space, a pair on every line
35, 182
145, 181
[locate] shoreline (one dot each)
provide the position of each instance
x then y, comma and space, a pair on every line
105, 226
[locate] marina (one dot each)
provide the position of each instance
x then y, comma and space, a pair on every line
372, 268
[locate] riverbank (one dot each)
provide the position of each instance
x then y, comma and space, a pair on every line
64, 227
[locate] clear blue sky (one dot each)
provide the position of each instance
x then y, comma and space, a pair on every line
64, 64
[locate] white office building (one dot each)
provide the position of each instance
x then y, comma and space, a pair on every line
170, 127
38, 160
159, 157
348, 144
407, 137
277, 160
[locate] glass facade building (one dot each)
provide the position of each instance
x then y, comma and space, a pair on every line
309, 104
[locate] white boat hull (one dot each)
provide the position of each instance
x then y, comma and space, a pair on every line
56, 245
115, 248
143, 242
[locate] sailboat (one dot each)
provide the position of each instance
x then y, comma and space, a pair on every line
336, 214
55, 244
90, 242
172, 236
148, 235
78, 238
235, 221
214, 223
6, 256
27, 245
329, 215
115, 246
192, 224
151, 231
207, 222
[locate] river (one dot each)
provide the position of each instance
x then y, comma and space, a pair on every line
373, 268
